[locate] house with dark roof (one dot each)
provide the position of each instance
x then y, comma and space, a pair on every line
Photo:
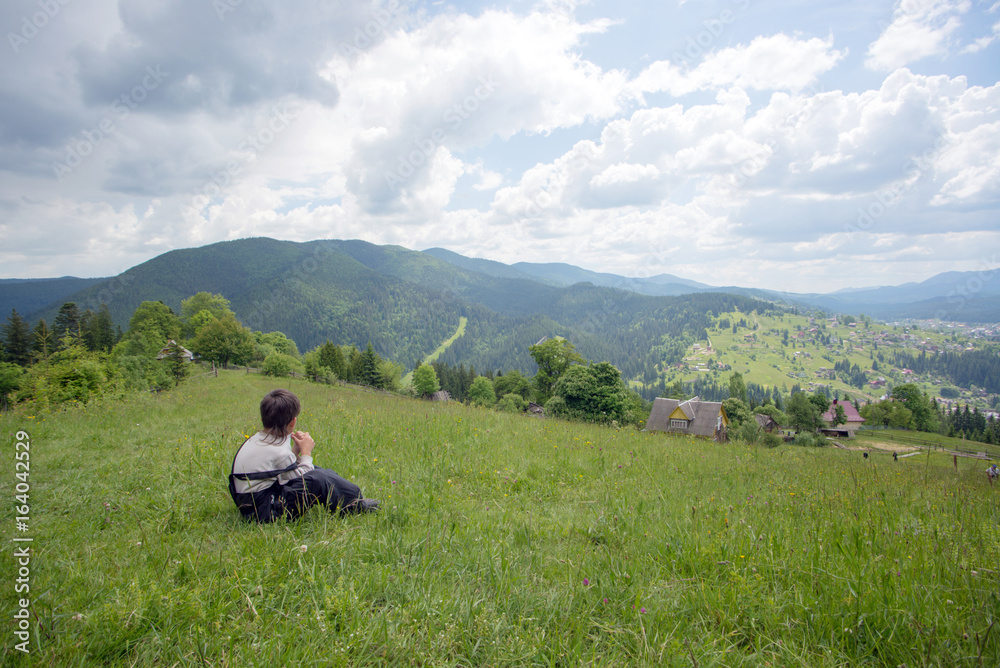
767, 423
854, 420
185, 354
693, 417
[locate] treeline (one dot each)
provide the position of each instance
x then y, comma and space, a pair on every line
909, 408
82, 355
709, 390
639, 335
566, 384
973, 425
851, 374
979, 367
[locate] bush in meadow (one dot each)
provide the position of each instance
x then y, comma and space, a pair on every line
512, 403
280, 365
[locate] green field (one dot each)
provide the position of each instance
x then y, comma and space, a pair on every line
504, 540
925, 440
759, 353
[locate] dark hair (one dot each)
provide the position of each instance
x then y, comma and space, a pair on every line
277, 409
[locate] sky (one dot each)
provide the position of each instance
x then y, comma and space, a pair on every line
798, 145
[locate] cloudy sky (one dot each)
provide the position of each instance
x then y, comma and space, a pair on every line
803, 145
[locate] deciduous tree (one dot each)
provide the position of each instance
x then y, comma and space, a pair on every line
425, 380
224, 342
553, 357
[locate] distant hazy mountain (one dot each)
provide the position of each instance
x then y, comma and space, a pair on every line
28, 295
407, 302
960, 296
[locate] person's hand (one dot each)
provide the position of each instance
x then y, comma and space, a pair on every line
302, 443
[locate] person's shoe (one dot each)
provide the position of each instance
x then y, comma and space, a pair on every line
367, 505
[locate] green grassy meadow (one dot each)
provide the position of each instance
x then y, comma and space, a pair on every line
765, 360
504, 540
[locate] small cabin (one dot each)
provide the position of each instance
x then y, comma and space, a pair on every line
693, 417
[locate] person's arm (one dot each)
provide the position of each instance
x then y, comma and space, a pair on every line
302, 447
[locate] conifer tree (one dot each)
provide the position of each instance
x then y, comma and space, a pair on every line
17, 339
67, 321
41, 341
370, 367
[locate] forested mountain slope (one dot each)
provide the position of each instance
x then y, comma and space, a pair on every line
405, 303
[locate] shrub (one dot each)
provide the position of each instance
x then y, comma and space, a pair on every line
749, 433
772, 441
279, 365
512, 403
811, 440
481, 393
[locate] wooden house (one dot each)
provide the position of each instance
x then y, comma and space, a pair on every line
186, 354
854, 420
767, 423
693, 417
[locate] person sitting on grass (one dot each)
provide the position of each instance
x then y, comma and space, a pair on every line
992, 473
273, 474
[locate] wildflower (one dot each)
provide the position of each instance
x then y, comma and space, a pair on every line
642, 611
586, 582
302, 548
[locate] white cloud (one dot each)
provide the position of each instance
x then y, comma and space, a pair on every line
777, 62
513, 134
460, 81
919, 28
983, 42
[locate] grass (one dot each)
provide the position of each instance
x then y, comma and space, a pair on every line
927, 440
503, 541
462, 322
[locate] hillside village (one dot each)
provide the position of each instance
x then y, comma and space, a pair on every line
816, 351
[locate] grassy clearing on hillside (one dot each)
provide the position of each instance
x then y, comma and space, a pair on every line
503, 540
765, 360
460, 332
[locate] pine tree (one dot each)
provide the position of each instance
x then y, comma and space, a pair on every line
68, 322
17, 339
370, 367
98, 332
42, 341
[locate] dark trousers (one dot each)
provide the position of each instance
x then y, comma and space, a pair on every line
321, 486
292, 500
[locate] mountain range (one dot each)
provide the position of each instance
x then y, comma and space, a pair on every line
407, 302
971, 296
